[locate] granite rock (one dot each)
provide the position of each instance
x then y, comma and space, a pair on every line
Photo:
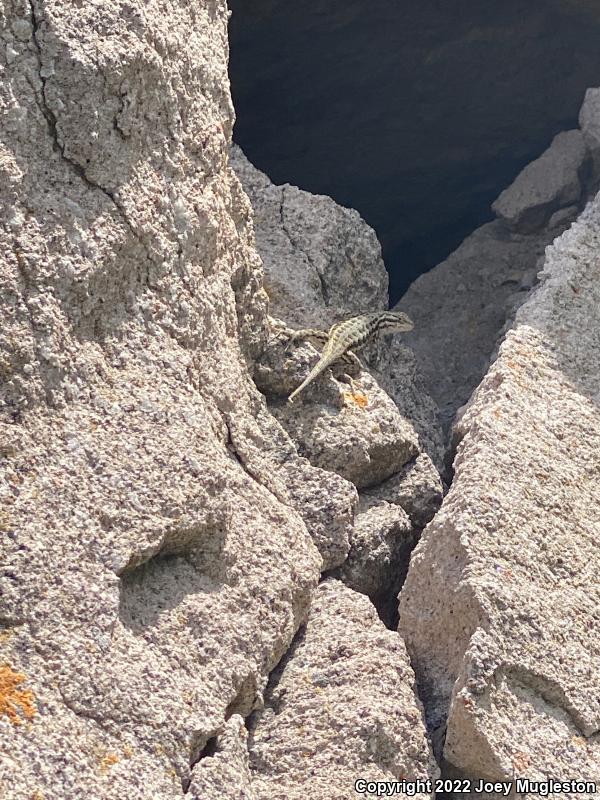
417, 489
325, 501
398, 371
339, 707
500, 606
322, 262
551, 182
380, 546
463, 307
225, 773
356, 432
153, 569
460, 309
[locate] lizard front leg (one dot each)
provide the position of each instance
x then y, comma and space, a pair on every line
311, 335
280, 329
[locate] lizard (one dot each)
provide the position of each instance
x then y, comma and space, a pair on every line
346, 336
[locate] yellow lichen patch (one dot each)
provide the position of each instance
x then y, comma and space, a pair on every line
356, 398
109, 760
14, 702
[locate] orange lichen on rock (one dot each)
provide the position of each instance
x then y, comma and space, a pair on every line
15, 702
357, 398
108, 761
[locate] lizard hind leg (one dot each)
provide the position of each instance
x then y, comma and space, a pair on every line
351, 360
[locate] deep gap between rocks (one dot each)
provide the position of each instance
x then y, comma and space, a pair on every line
417, 115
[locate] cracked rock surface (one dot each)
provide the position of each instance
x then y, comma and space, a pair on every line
154, 564
386, 441
322, 261
322, 264
364, 442
164, 526
417, 489
161, 536
226, 772
380, 546
339, 707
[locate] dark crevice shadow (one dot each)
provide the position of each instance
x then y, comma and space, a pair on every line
208, 751
200, 750
385, 598
416, 114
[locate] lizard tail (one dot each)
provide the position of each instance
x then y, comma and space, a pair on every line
316, 370
299, 389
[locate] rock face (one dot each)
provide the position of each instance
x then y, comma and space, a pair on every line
388, 448
463, 306
155, 566
366, 442
321, 261
388, 522
500, 607
417, 489
460, 308
589, 121
164, 526
416, 114
340, 708
382, 539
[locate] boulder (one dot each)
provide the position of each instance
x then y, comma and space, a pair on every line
322, 261
500, 606
357, 433
417, 489
551, 182
461, 307
341, 706
154, 570
322, 264
380, 546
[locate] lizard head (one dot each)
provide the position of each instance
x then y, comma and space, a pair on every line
395, 322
